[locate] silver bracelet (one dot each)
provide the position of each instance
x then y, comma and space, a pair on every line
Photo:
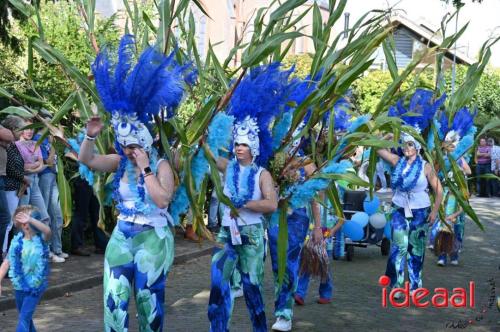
89, 138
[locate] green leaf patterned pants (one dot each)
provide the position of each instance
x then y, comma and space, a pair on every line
137, 256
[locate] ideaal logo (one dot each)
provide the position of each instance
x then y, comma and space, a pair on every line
423, 297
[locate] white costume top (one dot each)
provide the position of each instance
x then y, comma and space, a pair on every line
247, 216
418, 197
157, 218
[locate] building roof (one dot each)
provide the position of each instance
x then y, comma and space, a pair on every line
428, 37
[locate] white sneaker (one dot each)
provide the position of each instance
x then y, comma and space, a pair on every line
237, 293
398, 295
454, 262
441, 262
282, 324
63, 255
51, 254
57, 259
430, 246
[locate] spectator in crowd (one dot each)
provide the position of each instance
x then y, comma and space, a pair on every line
33, 164
86, 205
495, 166
50, 194
6, 137
483, 166
15, 181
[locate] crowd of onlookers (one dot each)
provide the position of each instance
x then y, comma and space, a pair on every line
28, 175
487, 160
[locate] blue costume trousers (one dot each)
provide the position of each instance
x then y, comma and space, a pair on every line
26, 305
298, 225
248, 260
408, 244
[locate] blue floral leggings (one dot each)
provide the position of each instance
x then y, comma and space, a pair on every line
248, 260
408, 243
137, 256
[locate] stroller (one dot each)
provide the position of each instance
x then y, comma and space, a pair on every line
353, 202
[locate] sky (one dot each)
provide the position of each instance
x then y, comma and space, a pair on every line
483, 19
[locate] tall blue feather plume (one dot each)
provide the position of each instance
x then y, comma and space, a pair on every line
262, 94
156, 81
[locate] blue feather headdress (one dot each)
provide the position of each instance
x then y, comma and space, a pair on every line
134, 94
460, 135
256, 101
419, 113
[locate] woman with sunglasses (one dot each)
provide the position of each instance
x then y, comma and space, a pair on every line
410, 217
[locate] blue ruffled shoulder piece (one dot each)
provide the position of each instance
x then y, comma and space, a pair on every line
303, 193
219, 136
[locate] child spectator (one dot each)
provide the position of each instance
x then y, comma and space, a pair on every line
27, 263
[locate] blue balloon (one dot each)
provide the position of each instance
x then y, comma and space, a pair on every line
387, 230
371, 206
360, 218
353, 230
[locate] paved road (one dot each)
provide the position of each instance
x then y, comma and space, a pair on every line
357, 296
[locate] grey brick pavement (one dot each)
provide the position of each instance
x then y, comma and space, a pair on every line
357, 296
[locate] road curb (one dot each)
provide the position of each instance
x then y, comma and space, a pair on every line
77, 285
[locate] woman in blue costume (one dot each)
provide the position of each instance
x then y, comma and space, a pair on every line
141, 248
250, 187
457, 138
412, 212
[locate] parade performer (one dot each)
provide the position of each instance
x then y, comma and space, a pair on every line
141, 249
260, 95
411, 202
27, 263
331, 226
298, 168
457, 139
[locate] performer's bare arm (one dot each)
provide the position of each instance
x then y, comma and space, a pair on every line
317, 232
466, 167
161, 186
438, 191
222, 164
269, 203
386, 154
105, 163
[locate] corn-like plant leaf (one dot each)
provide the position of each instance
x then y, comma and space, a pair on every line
20, 111
267, 47
282, 240
65, 200
66, 107
348, 177
22, 6
388, 46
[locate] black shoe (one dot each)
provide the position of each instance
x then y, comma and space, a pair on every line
80, 252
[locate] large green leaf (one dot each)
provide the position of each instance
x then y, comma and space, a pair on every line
282, 241
65, 200
21, 111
